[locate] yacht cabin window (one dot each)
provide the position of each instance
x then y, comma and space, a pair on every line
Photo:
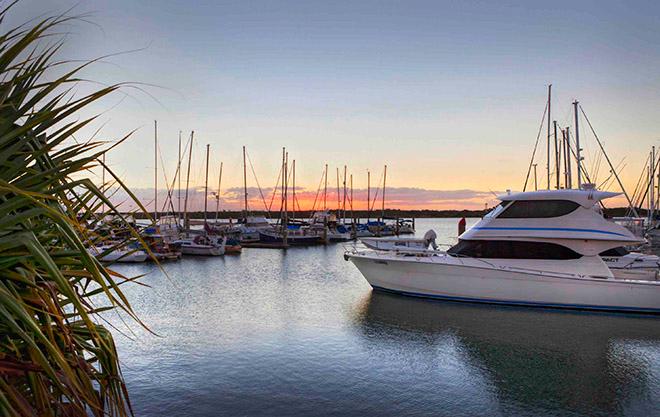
620, 251
538, 209
511, 249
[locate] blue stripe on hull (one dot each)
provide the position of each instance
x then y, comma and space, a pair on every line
521, 303
550, 229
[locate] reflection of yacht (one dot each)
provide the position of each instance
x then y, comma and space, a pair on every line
536, 248
537, 362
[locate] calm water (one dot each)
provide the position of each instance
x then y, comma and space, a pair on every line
301, 333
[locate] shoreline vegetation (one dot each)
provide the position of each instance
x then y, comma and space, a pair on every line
374, 214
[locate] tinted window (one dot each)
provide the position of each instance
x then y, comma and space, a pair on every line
508, 249
538, 209
621, 251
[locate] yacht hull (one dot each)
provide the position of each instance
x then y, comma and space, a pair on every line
497, 286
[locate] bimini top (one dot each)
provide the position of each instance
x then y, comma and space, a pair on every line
585, 198
566, 217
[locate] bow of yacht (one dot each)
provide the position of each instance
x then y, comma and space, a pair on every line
536, 248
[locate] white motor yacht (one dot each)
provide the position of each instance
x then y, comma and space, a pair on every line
202, 245
536, 248
110, 252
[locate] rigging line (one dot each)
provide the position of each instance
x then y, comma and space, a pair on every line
538, 137
257, 181
646, 189
170, 189
377, 190
638, 189
277, 186
607, 158
318, 191
602, 184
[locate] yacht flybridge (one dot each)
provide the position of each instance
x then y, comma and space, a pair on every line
537, 248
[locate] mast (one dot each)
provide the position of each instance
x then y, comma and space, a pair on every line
245, 192
185, 202
178, 171
368, 195
293, 212
217, 196
536, 185
155, 171
352, 213
652, 191
557, 157
325, 189
547, 166
286, 199
338, 196
344, 204
568, 160
206, 184
578, 150
103, 181
565, 151
384, 179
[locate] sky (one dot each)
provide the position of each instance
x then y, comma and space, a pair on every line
449, 95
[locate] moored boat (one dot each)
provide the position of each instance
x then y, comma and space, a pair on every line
536, 248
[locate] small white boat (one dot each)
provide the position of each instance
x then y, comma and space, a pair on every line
536, 248
110, 253
401, 243
201, 245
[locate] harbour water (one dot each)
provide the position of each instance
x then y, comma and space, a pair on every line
300, 333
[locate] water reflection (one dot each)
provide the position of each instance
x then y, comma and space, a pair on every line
532, 361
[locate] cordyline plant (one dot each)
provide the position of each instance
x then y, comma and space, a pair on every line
56, 359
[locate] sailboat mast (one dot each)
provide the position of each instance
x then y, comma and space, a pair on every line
178, 172
217, 196
325, 189
293, 213
569, 158
286, 198
338, 195
547, 166
344, 203
352, 213
103, 181
206, 184
185, 202
566, 159
155, 171
384, 179
368, 195
245, 192
536, 185
557, 157
578, 150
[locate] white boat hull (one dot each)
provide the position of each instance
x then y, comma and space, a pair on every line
200, 250
500, 286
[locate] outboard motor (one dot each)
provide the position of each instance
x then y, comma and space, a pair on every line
429, 238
